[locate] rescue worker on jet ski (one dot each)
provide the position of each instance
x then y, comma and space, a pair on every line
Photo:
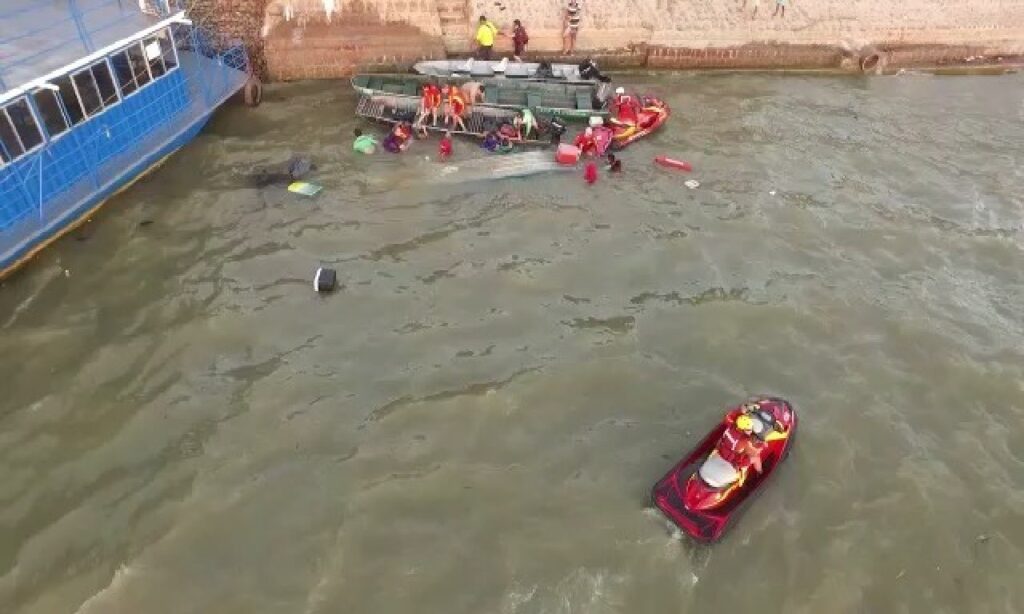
743, 447
626, 106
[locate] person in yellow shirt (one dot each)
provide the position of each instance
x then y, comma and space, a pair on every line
485, 33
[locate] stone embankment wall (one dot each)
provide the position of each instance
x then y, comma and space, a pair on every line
332, 38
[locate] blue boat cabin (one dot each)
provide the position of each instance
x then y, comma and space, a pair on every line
81, 119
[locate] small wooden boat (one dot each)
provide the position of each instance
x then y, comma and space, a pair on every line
391, 109
504, 69
578, 101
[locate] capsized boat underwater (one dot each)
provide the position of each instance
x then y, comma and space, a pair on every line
705, 492
503, 69
577, 101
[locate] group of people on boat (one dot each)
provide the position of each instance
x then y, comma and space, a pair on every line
451, 101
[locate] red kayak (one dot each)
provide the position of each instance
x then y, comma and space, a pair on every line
651, 116
707, 490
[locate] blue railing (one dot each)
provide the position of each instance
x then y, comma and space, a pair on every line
73, 27
102, 152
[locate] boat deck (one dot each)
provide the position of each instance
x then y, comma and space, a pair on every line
395, 109
40, 36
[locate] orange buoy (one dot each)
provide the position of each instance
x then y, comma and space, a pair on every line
673, 163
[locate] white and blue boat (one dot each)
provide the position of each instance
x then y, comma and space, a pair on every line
94, 93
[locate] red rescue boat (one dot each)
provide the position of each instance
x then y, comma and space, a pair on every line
708, 489
652, 114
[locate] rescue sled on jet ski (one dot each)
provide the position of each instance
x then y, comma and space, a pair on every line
633, 118
705, 492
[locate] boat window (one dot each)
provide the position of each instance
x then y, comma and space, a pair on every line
10, 148
170, 54
70, 99
153, 47
140, 67
88, 93
123, 71
49, 111
18, 130
105, 83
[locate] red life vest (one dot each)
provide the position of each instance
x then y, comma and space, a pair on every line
455, 99
732, 447
431, 96
626, 106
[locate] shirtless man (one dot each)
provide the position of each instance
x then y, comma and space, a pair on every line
474, 92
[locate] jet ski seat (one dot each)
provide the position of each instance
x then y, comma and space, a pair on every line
717, 472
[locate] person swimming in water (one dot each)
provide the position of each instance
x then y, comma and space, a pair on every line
614, 166
444, 148
364, 143
400, 138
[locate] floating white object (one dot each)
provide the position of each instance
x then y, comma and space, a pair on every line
596, 121
772, 192
693, 184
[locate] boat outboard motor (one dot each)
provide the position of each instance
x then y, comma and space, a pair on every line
557, 130
544, 71
588, 70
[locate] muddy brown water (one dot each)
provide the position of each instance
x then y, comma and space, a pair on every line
473, 421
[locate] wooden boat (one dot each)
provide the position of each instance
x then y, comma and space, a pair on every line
391, 109
501, 69
547, 100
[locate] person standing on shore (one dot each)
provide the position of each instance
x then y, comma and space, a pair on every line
519, 40
780, 5
570, 27
485, 33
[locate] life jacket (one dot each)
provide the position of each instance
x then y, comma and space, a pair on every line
626, 106
431, 96
732, 447
585, 143
456, 100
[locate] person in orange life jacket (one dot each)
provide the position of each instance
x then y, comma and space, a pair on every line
625, 106
746, 448
456, 107
444, 148
585, 141
430, 103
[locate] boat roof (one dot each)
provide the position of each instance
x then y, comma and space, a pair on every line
38, 37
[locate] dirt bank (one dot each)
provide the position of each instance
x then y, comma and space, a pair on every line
294, 39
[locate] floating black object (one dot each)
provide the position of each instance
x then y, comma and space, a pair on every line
325, 279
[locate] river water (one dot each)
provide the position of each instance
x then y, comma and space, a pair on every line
473, 422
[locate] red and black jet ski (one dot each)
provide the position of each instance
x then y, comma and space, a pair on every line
706, 491
652, 113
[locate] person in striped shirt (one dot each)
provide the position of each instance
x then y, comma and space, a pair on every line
570, 25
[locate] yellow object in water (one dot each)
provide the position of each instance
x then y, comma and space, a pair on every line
305, 188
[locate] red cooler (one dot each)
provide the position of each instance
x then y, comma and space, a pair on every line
567, 154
